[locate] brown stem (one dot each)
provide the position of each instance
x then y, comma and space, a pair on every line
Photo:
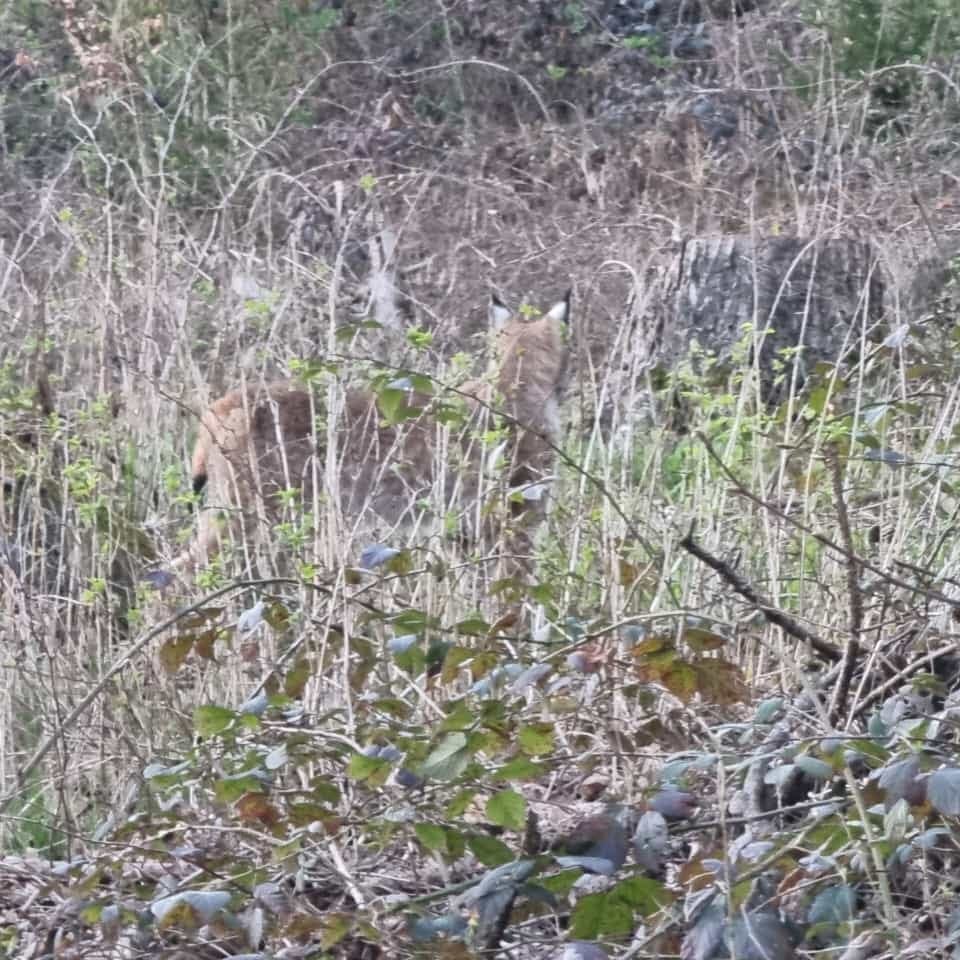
786, 623
852, 650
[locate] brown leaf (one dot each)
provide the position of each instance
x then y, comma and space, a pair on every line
721, 682
205, 643
256, 808
174, 652
505, 622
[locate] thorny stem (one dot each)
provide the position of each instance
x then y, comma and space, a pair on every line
851, 651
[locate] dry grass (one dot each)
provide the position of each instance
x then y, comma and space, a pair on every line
139, 315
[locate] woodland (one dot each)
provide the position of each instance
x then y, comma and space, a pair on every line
713, 717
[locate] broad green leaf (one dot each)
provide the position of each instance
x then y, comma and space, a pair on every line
536, 739
295, 680
448, 759
645, 895
431, 836
373, 771
474, 626
454, 658
507, 809
231, 789
211, 720
601, 915
461, 717
490, 851
520, 768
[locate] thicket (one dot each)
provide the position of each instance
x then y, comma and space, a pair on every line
721, 720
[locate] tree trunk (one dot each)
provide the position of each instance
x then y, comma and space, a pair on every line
824, 295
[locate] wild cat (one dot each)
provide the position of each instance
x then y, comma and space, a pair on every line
260, 447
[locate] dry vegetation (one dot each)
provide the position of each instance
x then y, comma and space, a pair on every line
746, 589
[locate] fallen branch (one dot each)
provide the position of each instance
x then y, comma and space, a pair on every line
786, 623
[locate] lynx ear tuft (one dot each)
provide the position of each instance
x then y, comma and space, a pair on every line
498, 313
560, 312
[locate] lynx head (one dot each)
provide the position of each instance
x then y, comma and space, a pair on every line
533, 358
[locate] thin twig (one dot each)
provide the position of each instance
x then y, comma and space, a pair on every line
851, 651
878, 693
118, 664
926, 222
137, 648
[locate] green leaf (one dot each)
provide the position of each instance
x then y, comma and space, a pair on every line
461, 717
459, 805
401, 563
211, 720
474, 626
612, 913
560, 884
394, 407
536, 739
231, 789
448, 759
303, 814
411, 621
454, 658
393, 706
373, 771
431, 836
507, 809
324, 791
644, 895
296, 678
520, 768
490, 851
420, 381
601, 915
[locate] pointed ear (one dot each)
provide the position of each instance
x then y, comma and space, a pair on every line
497, 313
560, 312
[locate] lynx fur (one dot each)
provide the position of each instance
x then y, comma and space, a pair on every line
256, 443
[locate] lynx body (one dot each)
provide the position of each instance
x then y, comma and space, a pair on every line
257, 444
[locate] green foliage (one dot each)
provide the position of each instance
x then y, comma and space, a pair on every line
36, 827
877, 35
419, 710
655, 46
575, 14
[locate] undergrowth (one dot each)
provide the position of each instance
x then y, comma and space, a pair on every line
717, 720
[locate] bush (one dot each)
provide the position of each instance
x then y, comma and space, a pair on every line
878, 36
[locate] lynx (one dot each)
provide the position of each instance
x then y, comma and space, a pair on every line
255, 445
